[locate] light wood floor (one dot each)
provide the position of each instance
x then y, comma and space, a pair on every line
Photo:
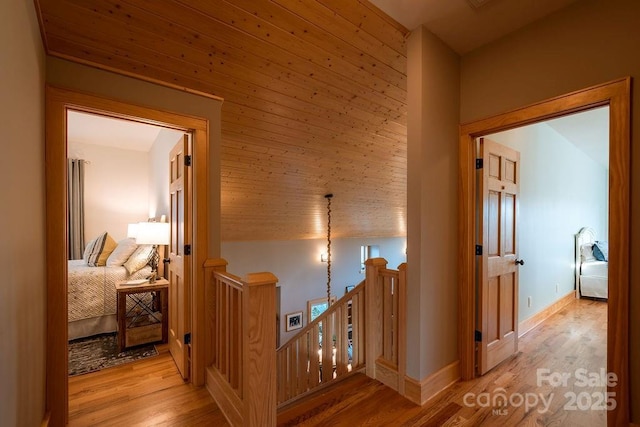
151, 392
145, 393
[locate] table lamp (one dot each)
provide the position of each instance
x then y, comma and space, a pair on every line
156, 234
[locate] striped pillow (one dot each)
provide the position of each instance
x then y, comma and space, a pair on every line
98, 250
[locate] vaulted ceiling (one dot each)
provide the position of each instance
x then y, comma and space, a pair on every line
314, 91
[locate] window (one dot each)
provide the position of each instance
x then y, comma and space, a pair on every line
366, 252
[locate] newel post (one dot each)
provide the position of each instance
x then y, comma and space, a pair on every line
373, 301
259, 350
211, 266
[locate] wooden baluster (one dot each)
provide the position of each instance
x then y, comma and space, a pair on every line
314, 369
394, 326
211, 266
373, 312
387, 315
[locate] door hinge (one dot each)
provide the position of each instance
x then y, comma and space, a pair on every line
479, 163
187, 160
478, 249
187, 338
187, 249
478, 336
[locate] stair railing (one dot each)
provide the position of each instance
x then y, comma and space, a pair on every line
327, 349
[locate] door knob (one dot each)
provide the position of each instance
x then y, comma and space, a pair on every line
520, 261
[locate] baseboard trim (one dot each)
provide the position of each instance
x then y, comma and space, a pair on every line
422, 391
533, 321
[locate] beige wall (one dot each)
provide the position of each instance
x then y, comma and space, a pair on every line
432, 180
22, 245
116, 188
591, 42
75, 76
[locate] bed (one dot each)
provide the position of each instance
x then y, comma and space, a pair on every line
591, 261
91, 289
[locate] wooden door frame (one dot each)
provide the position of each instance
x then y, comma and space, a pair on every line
617, 95
58, 101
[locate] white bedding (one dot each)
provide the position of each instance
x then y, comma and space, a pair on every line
594, 286
595, 268
92, 296
591, 275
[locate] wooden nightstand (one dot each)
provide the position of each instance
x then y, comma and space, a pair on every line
145, 321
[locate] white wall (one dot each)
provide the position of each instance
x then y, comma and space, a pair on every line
301, 275
561, 190
116, 188
159, 172
22, 214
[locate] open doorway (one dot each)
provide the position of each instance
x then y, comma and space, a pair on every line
59, 102
118, 177
560, 187
617, 96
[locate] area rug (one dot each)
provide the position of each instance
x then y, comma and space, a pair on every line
101, 351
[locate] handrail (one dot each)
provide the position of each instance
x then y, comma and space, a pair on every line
301, 362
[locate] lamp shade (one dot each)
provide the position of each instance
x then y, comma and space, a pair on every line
152, 233
132, 230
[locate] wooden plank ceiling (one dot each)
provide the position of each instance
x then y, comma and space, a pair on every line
314, 100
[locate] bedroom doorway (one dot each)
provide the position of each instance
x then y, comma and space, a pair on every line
101, 201
58, 103
615, 95
564, 179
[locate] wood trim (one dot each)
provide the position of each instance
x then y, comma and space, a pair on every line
420, 392
402, 327
199, 189
57, 399
533, 321
616, 94
58, 100
46, 419
134, 75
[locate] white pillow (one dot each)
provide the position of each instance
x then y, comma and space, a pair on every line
122, 252
139, 258
586, 252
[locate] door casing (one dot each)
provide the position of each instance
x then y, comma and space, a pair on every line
617, 95
58, 101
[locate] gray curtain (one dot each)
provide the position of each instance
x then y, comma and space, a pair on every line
75, 207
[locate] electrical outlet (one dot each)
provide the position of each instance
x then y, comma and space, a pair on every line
528, 301
557, 288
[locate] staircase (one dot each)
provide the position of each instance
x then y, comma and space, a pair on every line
363, 332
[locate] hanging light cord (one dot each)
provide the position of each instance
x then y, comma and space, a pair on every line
328, 196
